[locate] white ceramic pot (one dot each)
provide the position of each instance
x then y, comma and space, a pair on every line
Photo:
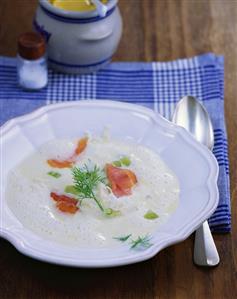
79, 42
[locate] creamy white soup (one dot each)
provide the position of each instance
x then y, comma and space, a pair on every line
94, 192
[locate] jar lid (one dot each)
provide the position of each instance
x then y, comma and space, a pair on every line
31, 45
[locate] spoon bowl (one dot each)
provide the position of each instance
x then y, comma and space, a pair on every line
192, 115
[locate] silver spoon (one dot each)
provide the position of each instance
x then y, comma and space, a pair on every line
100, 7
191, 115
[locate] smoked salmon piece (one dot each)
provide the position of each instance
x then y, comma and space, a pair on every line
65, 203
66, 207
121, 180
60, 164
81, 145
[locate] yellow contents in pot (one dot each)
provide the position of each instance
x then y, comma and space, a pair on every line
75, 5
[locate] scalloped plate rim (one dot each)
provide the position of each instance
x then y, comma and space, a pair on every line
152, 251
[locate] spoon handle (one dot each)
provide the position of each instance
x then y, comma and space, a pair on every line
101, 8
205, 252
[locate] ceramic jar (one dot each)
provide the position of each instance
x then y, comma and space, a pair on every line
78, 42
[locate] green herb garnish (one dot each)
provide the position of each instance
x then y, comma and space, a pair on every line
85, 182
54, 174
141, 242
117, 163
71, 189
111, 212
150, 215
125, 161
123, 238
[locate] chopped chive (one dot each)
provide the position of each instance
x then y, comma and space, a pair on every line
54, 174
117, 163
71, 189
112, 213
150, 215
125, 161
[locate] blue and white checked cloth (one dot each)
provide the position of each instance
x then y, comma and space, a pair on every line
157, 85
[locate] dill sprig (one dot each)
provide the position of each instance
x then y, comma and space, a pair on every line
123, 238
85, 182
141, 242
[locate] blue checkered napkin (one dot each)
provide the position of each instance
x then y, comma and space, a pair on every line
157, 85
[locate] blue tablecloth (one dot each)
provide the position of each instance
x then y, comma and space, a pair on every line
157, 85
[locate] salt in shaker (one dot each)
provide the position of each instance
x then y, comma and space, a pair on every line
31, 61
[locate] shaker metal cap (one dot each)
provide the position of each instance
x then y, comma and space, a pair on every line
31, 45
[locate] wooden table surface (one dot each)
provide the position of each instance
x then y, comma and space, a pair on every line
153, 30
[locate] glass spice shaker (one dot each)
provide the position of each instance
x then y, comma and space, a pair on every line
32, 68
